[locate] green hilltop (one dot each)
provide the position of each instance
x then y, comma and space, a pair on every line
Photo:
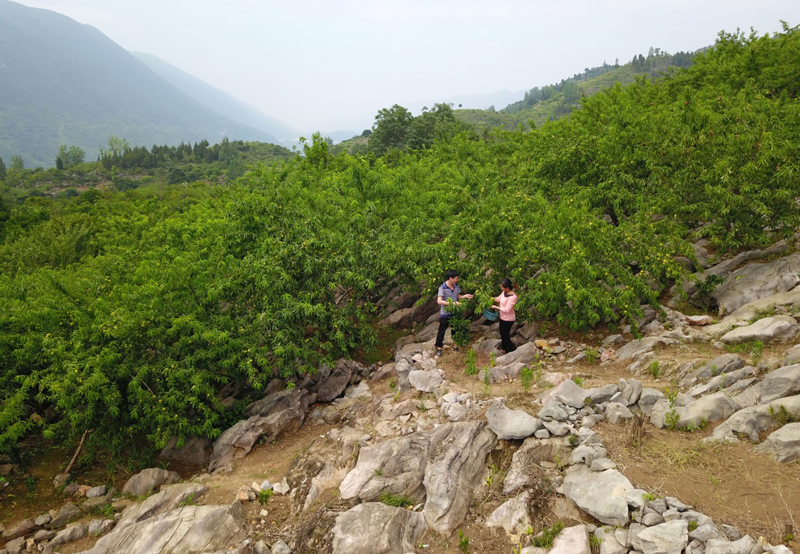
127, 309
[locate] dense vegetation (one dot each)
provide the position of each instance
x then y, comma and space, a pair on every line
127, 312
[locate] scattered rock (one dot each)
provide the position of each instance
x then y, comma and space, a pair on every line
148, 480
183, 530
195, 451
21, 529
780, 328
170, 497
65, 514
70, 534
376, 527
425, 381
572, 540
783, 444
600, 494
512, 515
671, 537
511, 424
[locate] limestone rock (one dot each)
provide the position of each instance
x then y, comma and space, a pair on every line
170, 497
780, 328
20, 529
720, 546
511, 424
377, 528
601, 494
752, 421
572, 540
512, 515
757, 281
671, 537
524, 354
148, 480
183, 530
708, 409
442, 465
617, 413
195, 451
65, 514
333, 382
70, 534
783, 444
637, 348
782, 382
526, 462
280, 412
567, 393
425, 381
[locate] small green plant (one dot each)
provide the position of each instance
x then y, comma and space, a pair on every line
754, 348
526, 378
591, 355
573, 440
463, 542
471, 368
655, 369
30, 484
671, 419
781, 416
714, 481
769, 311
290, 385
577, 380
379, 472
594, 543
188, 501
537, 375
396, 500
788, 537
492, 359
672, 396
692, 525
459, 329
649, 497
393, 383
264, 496
548, 534
487, 380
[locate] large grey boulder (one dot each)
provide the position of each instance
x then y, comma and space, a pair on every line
442, 465
572, 540
170, 497
195, 451
779, 328
783, 444
598, 395
501, 373
751, 421
524, 354
332, 382
782, 382
148, 480
511, 424
277, 413
617, 413
512, 515
757, 281
602, 494
639, 347
184, 530
725, 363
743, 315
21, 528
568, 393
70, 534
707, 409
425, 381
377, 528
722, 380
65, 514
631, 391
744, 545
670, 537
526, 462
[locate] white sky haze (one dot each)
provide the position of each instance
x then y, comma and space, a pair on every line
329, 65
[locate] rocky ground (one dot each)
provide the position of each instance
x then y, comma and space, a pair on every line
685, 440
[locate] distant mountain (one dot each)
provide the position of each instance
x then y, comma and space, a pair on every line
216, 99
62, 82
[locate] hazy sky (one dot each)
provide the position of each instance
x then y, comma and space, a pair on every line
333, 64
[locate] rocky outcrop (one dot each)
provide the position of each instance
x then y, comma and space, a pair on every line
376, 527
280, 412
442, 466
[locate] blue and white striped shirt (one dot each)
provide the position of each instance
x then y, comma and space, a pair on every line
447, 293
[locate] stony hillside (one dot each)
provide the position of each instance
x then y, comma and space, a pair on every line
683, 440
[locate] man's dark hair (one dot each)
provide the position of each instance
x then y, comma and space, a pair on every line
450, 273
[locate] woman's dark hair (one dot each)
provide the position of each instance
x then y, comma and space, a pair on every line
450, 273
507, 284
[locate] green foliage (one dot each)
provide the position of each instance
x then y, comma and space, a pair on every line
762, 313
671, 419
755, 348
577, 380
526, 378
70, 155
463, 542
264, 496
459, 328
591, 355
649, 497
548, 534
781, 416
692, 525
471, 368
398, 501
655, 369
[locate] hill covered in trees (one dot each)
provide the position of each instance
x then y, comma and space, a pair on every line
66, 83
126, 312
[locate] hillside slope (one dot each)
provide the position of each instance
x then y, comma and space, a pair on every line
66, 83
216, 99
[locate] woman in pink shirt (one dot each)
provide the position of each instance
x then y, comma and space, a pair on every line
506, 302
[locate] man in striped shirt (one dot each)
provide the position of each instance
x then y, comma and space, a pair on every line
449, 293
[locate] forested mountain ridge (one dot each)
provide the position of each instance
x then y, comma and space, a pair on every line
216, 99
62, 82
126, 312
